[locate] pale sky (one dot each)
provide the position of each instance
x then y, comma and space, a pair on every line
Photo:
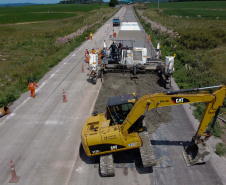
30, 1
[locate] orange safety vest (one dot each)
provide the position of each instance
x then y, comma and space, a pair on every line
31, 86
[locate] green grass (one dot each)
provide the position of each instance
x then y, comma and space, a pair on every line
221, 149
194, 4
43, 12
29, 51
207, 9
201, 46
192, 13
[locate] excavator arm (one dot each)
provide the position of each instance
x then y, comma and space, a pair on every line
197, 151
148, 102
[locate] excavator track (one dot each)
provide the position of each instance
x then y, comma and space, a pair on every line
146, 150
107, 165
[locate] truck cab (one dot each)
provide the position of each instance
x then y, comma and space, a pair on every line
116, 21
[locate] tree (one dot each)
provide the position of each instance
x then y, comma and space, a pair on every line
112, 3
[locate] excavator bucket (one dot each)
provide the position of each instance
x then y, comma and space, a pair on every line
196, 153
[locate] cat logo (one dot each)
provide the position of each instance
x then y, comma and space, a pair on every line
96, 151
179, 100
114, 147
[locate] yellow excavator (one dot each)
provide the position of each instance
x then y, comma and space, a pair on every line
121, 126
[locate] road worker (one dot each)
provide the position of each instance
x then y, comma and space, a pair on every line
99, 56
113, 48
91, 35
104, 47
86, 51
93, 51
87, 57
149, 38
31, 86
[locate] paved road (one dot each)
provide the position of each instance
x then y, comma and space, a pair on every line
42, 135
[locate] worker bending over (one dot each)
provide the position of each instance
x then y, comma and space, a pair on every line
31, 86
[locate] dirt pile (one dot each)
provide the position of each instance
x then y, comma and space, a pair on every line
119, 84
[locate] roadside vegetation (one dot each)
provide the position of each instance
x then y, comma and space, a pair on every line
199, 42
21, 14
29, 50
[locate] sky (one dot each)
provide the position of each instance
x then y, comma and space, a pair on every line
30, 1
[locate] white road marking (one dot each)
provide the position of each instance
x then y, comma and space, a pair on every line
51, 75
52, 122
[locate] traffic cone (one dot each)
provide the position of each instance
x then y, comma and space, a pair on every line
64, 96
14, 177
82, 68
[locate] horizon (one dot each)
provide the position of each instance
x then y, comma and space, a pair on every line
34, 2
29, 1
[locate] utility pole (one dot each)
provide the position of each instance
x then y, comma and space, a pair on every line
158, 4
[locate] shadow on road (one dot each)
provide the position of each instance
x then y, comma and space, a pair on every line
172, 143
87, 159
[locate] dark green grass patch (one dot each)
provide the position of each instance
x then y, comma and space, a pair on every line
194, 4
43, 12
193, 13
30, 17
221, 149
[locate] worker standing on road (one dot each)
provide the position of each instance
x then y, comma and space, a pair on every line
104, 47
91, 35
86, 51
31, 86
93, 51
113, 48
149, 38
87, 57
99, 56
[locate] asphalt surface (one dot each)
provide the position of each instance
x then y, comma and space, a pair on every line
42, 135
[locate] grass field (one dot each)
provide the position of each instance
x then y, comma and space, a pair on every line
200, 48
193, 4
207, 9
29, 50
43, 12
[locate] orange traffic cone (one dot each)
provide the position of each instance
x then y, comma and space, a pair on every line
82, 68
64, 96
14, 177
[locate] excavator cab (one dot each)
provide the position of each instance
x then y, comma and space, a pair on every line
118, 108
